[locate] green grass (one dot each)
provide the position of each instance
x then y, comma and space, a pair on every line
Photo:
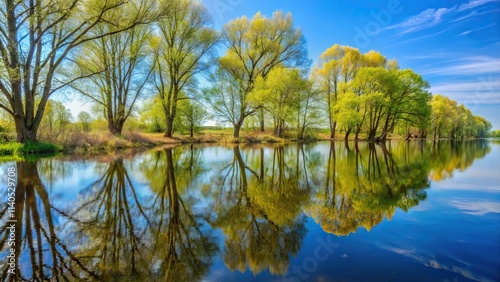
28, 148
10, 148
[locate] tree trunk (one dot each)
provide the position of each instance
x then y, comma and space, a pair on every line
371, 135
281, 125
25, 134
170, 128
191, 130
346, 138
261, 118
332, 130
358, 130
115, 127
236, 131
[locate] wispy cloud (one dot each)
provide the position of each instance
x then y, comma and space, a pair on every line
467, 66
473, 4
477, 29
434, 16
473, 80
476, 13
467, 86
471, 93
424, 20
403, 42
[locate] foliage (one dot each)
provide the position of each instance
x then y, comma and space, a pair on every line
191, 116
116, 69
279, 94
181, 50
494, 134
41, 37
57, 118
152, 115
120, 53
450, 120
254, 47
85, 119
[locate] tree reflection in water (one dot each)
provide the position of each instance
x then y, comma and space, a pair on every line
260, 212
117, 230
182, 247
41, 251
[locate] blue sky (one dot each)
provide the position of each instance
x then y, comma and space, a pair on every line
455, 45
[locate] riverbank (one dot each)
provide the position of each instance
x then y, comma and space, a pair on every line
94, 142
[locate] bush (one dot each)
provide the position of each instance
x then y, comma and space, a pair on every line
6, 134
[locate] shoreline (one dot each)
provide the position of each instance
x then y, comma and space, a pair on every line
136, 140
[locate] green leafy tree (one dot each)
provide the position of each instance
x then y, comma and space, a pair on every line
347, 112
254, 47
118, 68
407, 101
36, 40
337, 66
184, 41
152, 115
85, 119
279, 94
192, 115
57, 117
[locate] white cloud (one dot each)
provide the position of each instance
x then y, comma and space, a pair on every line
425, 19
467, 86
468, 66
473, 4
433, 16
477, 29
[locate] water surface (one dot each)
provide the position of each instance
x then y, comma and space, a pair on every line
327, 211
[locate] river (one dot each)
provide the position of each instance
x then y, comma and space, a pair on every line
326, 211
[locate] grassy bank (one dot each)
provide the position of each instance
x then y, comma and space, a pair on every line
15, 148
80, 142
103, 141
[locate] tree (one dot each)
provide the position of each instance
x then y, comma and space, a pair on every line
279, 94
337, 66
184, 41
450, 120
372, 85
36, 38
444, 113
408, 101
347, 113
57, 116
482, 126
118, 69
85, 119
308, 111
389, 98
255, 47
227, 101
192, 115
152, 115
